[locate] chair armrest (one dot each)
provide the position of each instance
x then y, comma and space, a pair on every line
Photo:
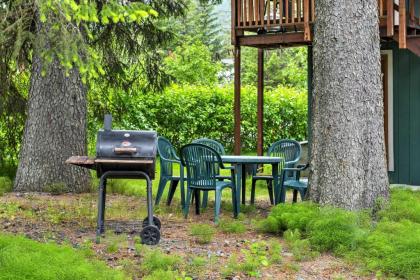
300, 167
171, 160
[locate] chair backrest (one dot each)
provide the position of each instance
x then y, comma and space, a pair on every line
288, 149
218, 147
202, 164
166, 152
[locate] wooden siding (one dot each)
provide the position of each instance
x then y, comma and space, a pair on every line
406, 75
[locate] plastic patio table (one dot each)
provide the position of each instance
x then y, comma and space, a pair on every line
241, 161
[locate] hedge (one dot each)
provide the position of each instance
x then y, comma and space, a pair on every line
185, 113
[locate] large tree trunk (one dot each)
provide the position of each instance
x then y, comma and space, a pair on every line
55, 129
347, 151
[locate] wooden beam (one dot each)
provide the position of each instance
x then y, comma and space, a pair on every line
412, 9
403, 25
237, 100
233, 22
272, 39
260, 103
390, 18
307, 29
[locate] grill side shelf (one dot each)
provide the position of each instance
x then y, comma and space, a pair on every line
124, 161
83, 161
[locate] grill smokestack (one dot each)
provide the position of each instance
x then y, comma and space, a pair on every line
108, 122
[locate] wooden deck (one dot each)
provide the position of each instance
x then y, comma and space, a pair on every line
286, 23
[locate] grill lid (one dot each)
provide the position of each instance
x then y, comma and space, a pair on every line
126, 144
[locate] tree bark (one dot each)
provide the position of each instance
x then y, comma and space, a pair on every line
55, 129
348, 165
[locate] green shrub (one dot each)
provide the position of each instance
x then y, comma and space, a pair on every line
185, 113
154, 260
6, 185
404, 204
232, 226
203, 233
392, 248
268, 225
289, 216
390, 245
21, 258
335, 230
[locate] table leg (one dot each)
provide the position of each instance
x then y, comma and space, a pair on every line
243, 183
238, 169
197, 201
181, 178
275, 172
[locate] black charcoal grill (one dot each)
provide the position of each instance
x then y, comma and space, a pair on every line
124, 154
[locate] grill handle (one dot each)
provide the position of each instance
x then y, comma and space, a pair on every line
120, 151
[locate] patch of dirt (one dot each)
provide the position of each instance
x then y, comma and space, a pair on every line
71, 219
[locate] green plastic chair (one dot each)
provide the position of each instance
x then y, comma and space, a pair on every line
168, 157
218, 147
202, 163
290, 151
293, 182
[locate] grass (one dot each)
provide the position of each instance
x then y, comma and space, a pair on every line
257, 256
232, 226
21, 258
154, 259
387, 243
203, 233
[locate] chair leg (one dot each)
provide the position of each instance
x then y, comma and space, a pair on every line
253, 191
161, 188
235, 209
218, 202
197, 201
187, 204
302, 193
270, 191
295, 192
205, 199
172, 189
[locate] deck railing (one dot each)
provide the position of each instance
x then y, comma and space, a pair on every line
299, 15
274, 14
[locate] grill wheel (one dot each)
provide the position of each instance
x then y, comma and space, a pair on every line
150, 235
156, 222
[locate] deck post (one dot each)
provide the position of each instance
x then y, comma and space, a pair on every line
390, 18
237, 100
402, 40
260, 103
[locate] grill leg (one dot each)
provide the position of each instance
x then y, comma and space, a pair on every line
149, 201
101, 208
